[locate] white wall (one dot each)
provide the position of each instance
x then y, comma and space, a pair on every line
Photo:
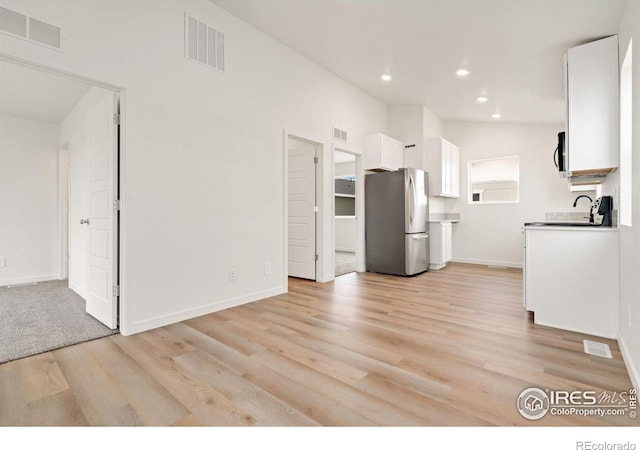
203, 159
28, 200
411, 125
346, 240
629, 317
491, 233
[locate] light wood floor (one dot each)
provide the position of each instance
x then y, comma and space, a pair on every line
449, 347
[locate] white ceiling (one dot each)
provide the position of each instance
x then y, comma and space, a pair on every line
513, 48
38, 95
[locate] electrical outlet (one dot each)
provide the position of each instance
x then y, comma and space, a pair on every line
267, 268
233, 275
3, 262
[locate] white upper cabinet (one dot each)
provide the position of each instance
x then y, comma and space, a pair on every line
441, 159
382, 153
593, 107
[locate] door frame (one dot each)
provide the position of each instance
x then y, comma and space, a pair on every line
120, 167
321, 216
359, 205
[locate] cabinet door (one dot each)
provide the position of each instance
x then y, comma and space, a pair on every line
447, 242
446, 168
593, 105
391, 153
455, 171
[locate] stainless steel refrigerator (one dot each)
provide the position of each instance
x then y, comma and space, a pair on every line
396, 222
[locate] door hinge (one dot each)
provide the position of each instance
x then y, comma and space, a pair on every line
116, 291
315, 257
116, 119
316, 209
315, 160
116, 205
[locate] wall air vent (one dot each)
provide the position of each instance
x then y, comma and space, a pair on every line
203, 43
339, 134
28, 28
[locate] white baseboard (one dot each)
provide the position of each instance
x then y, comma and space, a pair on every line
634, 374
484, 262
160, 321
75, 288
27, 280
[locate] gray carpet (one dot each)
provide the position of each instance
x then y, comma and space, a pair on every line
41, 317
345, 263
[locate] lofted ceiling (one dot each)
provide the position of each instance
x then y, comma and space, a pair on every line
514, 49
36, 94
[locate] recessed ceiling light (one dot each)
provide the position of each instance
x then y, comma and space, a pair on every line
462, 72
386, 77
496, 115
482, 99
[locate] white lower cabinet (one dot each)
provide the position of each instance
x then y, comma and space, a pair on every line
441, 244
571, 279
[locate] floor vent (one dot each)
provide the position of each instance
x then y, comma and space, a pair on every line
597, 349
29, 28
204, 44
339, 134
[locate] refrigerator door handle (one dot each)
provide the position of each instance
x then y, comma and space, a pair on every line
412, 197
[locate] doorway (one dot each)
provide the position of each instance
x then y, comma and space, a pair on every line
302, 209
59, 160
345, 218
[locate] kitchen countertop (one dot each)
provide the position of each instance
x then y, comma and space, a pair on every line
559, 227
444, 218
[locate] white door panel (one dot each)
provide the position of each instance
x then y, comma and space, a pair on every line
78, 210
102, 142
302, 220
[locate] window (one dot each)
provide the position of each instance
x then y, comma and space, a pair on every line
494, 180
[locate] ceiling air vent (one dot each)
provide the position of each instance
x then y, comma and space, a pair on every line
29, 28
339, 134
204, 44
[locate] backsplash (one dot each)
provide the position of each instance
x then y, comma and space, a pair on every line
576, 217
580, 216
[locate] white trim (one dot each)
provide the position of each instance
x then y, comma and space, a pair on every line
27, 280
168, 319
484, 262
632, 369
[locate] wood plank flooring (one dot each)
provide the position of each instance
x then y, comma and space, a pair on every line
446, 348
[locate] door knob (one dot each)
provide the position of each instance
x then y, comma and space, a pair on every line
83, 221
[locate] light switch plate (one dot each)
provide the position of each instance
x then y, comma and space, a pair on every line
3, 262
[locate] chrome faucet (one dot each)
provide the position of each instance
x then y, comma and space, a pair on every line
590, 211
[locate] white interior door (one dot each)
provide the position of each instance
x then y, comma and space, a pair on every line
78, 236
102, 145
302, 215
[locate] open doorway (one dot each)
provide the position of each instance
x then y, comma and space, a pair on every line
58, 191
345, 215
